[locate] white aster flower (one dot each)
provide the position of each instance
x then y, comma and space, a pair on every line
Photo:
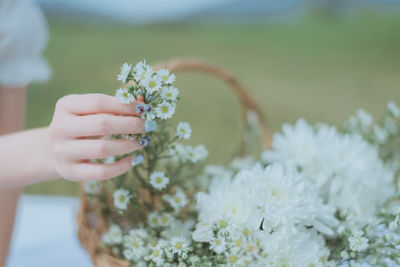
134, 247
196, 154
169, 93
154, 219
113, 236
218, 245
179, 245
178, 200
157, 253
125, 69
165, 110
121, 198
153, 84
183, 130
91, 187
166, 219
158, 180
124, 96
142, 72
166, 77
393, 108
357, 242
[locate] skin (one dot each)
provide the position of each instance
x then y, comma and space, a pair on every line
64, 149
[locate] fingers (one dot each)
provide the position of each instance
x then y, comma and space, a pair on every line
99, 125
99, 172
95, 103
95, 149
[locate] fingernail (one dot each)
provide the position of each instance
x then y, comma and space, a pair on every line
150, 126
140, 108
145, 141
137, 160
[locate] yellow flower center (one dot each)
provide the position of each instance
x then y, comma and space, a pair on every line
178, 245
159, 180
122, 198
164, 109
177, 199
223, 223
156, 253
125, 94
238, 243
164, 77
246, 231
152, 84
233, 258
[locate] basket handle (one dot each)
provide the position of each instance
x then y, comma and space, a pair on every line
247, 103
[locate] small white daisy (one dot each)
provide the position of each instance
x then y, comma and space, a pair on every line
170, 93
125, 69
166, 219
142, 72
166, 77
165, 110
158, 180
357, 241
121, 198
153, 84
113, 236
124, 96
91, 187
196, 154
154, 219
178, 200
218, 245
179, 245
183, 130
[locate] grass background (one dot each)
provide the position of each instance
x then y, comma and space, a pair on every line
315, 67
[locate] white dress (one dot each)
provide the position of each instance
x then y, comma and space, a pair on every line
23, 37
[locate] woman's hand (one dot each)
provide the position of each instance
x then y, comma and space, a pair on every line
77, 133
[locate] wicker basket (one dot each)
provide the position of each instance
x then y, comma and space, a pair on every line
89, 233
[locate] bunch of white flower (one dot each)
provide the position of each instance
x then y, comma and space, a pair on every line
346, 169
239, 216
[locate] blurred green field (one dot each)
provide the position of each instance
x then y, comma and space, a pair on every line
317, 68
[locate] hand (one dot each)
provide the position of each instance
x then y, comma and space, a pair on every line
77, 133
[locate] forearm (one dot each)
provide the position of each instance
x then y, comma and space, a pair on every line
25, 158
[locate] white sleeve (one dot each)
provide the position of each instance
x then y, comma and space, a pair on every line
23, 37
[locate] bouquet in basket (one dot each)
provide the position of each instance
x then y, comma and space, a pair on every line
320, 196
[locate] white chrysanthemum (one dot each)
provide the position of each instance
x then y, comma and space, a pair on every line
142, 72
346, 169
125, 69
357, 242
178, 200
165, 110
153, 84
300, 248
183, 130
166, 77
121, 198
170, 93
282, 197
91, 187
158, 180
124, 96
113, 236
179, 245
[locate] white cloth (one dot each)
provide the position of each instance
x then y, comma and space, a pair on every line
23, 37
45, 234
